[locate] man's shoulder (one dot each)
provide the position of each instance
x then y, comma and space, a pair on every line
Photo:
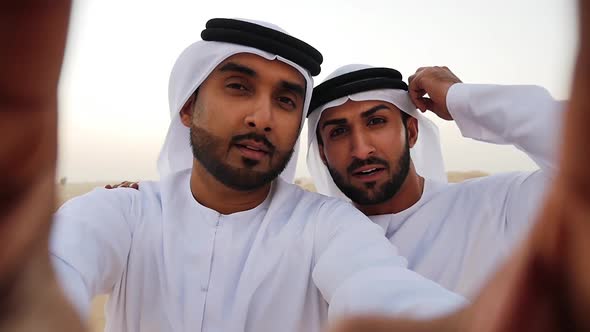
301, 197
291, 202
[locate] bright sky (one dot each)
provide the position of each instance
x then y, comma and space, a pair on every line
114, 109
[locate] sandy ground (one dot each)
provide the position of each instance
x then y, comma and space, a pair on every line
68, 191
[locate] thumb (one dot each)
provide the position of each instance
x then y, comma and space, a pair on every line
424, 104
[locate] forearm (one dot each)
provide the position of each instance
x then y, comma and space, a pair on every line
394, 291
73, 286
359, 271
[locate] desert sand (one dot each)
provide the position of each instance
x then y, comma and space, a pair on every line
71, 190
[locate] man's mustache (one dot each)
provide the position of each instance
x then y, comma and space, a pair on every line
357, 163
255, 137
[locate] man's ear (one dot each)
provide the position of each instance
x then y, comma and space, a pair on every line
186, 112
412, 129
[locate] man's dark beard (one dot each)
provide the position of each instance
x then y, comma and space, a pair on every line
209, 150
382, 194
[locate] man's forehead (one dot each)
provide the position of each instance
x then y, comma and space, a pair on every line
261, 66
354, 109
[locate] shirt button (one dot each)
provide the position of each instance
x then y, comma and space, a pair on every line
204, 288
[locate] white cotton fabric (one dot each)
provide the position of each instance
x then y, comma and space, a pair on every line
290, 264
426, 153
192, 67
169, 263
458, 234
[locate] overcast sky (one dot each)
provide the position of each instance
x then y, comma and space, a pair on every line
114, 110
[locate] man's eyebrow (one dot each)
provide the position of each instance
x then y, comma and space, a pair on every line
333, 122
232, 66
297, 89
373, 110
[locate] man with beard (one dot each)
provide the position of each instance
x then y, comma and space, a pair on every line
227, 245
546, 285
545, 288
369, 144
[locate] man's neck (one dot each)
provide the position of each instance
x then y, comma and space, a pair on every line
409, 193
209, 192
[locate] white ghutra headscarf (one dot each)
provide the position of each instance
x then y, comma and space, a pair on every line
192, 67
426, 153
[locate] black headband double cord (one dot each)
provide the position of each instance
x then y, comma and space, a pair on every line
266, 39
355, 82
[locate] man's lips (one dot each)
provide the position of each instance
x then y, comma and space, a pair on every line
252, 149
368, 172
254, 145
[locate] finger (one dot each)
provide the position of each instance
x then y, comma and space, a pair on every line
420, 69
427, 104
415, 81
415, 75
424, 104
416, 91
410, 79
416, 97
418, 100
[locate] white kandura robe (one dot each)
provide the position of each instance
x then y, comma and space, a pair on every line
457, 234
171, 264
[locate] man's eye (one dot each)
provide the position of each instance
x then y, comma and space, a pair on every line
338, 132
237, 86
375, 121
287, 101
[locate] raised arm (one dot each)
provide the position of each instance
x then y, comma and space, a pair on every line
524, 116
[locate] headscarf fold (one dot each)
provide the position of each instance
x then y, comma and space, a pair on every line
197, 62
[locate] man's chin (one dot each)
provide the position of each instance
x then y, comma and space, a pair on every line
368, 187
250, 168
243, 178
371, 199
